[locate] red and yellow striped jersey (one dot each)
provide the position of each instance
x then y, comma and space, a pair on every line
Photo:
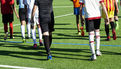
109, 4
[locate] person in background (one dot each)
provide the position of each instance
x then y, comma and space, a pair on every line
7, 9
77, 14
30, 4
110, 7
93, 20
116, 17
23, 19
46, 18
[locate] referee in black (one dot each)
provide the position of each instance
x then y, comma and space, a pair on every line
46, 18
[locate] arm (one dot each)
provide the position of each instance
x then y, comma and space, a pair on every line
117, 10
14, 9
82, 17
33, 13
105, 11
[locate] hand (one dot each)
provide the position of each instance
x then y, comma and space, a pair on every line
117, 11
17, 16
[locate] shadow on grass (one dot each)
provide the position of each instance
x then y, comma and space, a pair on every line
26, 54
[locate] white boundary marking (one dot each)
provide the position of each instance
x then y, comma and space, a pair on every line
54, 17
62, 6
64, 15
18, 67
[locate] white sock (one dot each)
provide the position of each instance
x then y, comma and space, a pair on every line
23, 31
34, 36
40, 33
97, 34
91, 42
28, 29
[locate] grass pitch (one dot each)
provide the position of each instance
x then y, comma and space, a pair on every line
69, 50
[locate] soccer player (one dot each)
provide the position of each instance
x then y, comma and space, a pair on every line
7, 8
110, 6
23, 19
77, 13
93, 18
46, 18
30, 4
116, 18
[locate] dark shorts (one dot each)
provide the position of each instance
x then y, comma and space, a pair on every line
76, 11
22, 14
91, 25
48, 26
7, 18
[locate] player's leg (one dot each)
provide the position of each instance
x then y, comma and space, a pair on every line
77, 23
11, 30
113, 28
28, 29
82, 22
116, 23
22, 20
11, 25
76, 13
5, 30
51, 27
90, 30
107, 30
33, 30
97, 34
36, 20
45, 31
116, 19
5, 23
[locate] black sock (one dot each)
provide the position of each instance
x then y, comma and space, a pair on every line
46, 43
112, 25
107, 29
50, 38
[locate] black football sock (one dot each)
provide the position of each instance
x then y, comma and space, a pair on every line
107, 29
50, 39
112, 25
46, 43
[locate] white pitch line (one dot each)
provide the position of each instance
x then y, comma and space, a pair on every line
18, 67
13, 25
64, 15
54, 17
62, 6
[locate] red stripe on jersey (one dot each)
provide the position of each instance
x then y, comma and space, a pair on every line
91, 18
106, 5
110, 4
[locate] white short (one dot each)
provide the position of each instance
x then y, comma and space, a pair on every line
36, 20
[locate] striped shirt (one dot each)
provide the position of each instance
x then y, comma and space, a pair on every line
109, 4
